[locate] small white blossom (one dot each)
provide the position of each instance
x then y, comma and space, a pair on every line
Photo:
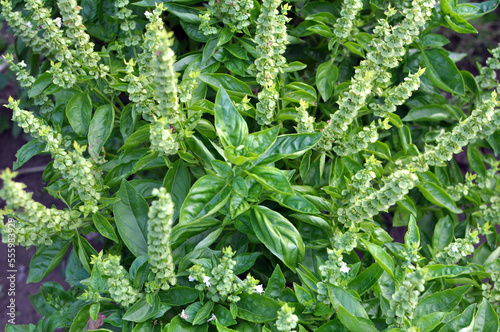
259, 289
206, 280
344, 268
58, 21
29, 25
183, 315
454, 248
22, 64
211, 318
191, 278
147, 13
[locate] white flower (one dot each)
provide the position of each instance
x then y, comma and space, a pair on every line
29, 25
147, 13
22, 64
183, 315
454, 248
206, 280
58, 21
191, 278
344, 268
259, 289
211, 318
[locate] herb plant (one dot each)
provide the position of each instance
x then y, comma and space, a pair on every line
244, 162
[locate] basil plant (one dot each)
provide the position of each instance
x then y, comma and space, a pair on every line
249, 165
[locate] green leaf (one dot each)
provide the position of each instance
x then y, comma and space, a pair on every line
28, 150
131, 217
257, 308
461, 321
177, 182
295, 202
442, 71
326, 79
180, 233
476, 160
430, 321
40, 84
141, 311
276, 233
276, 283
104, 227
230, 125
321, 30
237, 51
459, 24
100, 128
179, 296
271, 178
184, 13
224, 36
412, 236
138, 137
260, 141
207, 196
289, 146
438, 196
177, 324
46, 259
352, 322
427, 113
444, 301
80, 320
294, 67
79, 112
224, 317
486, 319
382, 257
443, 234
366, 279
228, 82
202, 314
447, 271
244, 262
334, 325
342, 298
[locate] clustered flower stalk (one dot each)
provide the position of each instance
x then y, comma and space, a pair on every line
220, 282
393, 189
492, 292
488, 77
24, 29
396, 185
22, 75
286, 320
160, 222
345, 25
388, 51
457, 250
235, 14
334, 271
127, 25
118, 280
271, 40
305, 122
74, 167
398, 95
83, 54
405, 299
35, 223
162, 133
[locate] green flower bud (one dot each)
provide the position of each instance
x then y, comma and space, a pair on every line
160, 222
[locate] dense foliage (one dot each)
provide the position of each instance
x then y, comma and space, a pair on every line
243, 160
